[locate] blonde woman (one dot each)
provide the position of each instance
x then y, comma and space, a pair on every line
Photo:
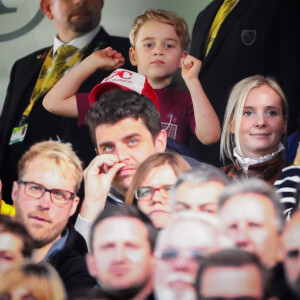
149, 189
254, 129
32, 281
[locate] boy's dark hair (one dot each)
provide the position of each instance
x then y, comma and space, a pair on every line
125, 211
233, 258
117, 105
11, 226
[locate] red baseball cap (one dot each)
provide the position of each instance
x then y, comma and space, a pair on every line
127, 81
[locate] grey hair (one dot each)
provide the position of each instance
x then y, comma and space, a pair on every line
234, 111
254, 186
199, 175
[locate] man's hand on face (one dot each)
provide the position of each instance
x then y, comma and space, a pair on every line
98, 177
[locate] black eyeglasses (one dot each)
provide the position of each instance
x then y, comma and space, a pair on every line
57, 196
147, 193
170, 254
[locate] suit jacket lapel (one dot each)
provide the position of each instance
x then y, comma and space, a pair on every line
100, 41
240, 7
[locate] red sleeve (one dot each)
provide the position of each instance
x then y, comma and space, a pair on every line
83, 106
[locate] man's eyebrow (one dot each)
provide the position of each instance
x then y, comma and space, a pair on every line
130, 136
105, 144
126, 137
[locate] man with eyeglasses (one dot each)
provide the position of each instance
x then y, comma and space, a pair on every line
45, 197
181, 246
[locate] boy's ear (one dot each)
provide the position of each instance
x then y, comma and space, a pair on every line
46, 9
132, 56
183, 54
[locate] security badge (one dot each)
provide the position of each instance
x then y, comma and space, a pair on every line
18, 134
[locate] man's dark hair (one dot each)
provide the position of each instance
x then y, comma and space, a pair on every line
125, 211
117, 105
13, 227
233, 258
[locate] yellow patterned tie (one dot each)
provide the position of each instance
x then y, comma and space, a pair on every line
222, 13
57, 69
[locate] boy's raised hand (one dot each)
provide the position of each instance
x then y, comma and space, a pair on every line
107, 59
190, 67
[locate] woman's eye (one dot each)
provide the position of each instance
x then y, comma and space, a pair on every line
247, 113
272, 113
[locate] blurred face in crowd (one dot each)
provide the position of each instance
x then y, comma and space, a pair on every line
291, 246
154, 202
131, 142
250, 221
232, 283
73, 18
178, 253
44, 219
262, 123
200, 198
122, 258
10, 251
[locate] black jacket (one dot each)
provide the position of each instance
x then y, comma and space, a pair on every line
258, 37
70, 262
42, 124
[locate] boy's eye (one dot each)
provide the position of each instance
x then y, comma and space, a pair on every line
148, 45
169, 46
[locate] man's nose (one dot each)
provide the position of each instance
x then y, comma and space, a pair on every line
45, 201
242, 238
122, 153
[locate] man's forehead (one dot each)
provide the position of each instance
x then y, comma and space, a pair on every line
9, 241
125, 123
200, 235
252, 201
292, 233
120, 229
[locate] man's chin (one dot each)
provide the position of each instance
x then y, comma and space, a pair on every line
122, 184
81, 26
122, 293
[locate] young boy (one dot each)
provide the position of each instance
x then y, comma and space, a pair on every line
159, 41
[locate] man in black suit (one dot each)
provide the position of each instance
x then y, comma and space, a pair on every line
256, 37
77, 24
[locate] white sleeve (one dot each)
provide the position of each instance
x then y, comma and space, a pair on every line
83, 226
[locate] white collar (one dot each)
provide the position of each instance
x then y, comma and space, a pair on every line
245, 162
78, 42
